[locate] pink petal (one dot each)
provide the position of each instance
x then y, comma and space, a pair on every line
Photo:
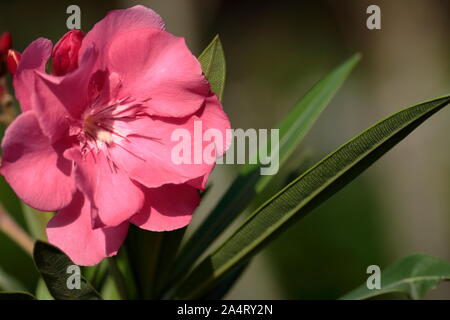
59, 99
146, 154
214, 118
34, 168
167, 208
158, 69
34, 58
117, 22
71, 231
114, 197
200, 182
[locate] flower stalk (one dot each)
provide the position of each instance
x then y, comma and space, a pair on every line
15, 232
118, 278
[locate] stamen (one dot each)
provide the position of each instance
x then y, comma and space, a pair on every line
98, 129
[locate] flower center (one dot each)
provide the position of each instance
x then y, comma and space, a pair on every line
103, 127
94, 129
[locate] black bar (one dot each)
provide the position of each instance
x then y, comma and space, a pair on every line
233, 310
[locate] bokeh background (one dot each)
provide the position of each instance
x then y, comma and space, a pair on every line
275, 51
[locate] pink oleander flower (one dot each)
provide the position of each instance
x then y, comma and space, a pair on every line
93, 141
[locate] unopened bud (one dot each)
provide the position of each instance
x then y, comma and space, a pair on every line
12, 61
5, 43
65, 52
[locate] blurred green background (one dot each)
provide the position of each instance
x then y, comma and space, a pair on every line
275, 51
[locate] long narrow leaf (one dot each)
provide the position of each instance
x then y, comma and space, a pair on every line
144, 248
170, 245
16, 296
413, 276
36, 222
304, 194
10, 283
250, 182
222, 288
151, 255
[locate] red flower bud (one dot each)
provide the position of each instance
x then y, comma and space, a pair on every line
12, 61
5, 43
65, 52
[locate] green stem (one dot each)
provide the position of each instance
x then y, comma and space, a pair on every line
144, 249
118, 278
15, 232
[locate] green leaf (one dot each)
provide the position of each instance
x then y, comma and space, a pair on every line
151, 255
143, 250
118, 276
109, 290
413, 275
118, 268
36, 221
9, 283
16, 296
97, 275
213, 64
305, 193
52, 264
170, 245
223, 286
250, 182
42, 292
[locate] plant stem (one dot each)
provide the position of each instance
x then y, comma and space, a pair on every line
15, 232
144, 249
118, 278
